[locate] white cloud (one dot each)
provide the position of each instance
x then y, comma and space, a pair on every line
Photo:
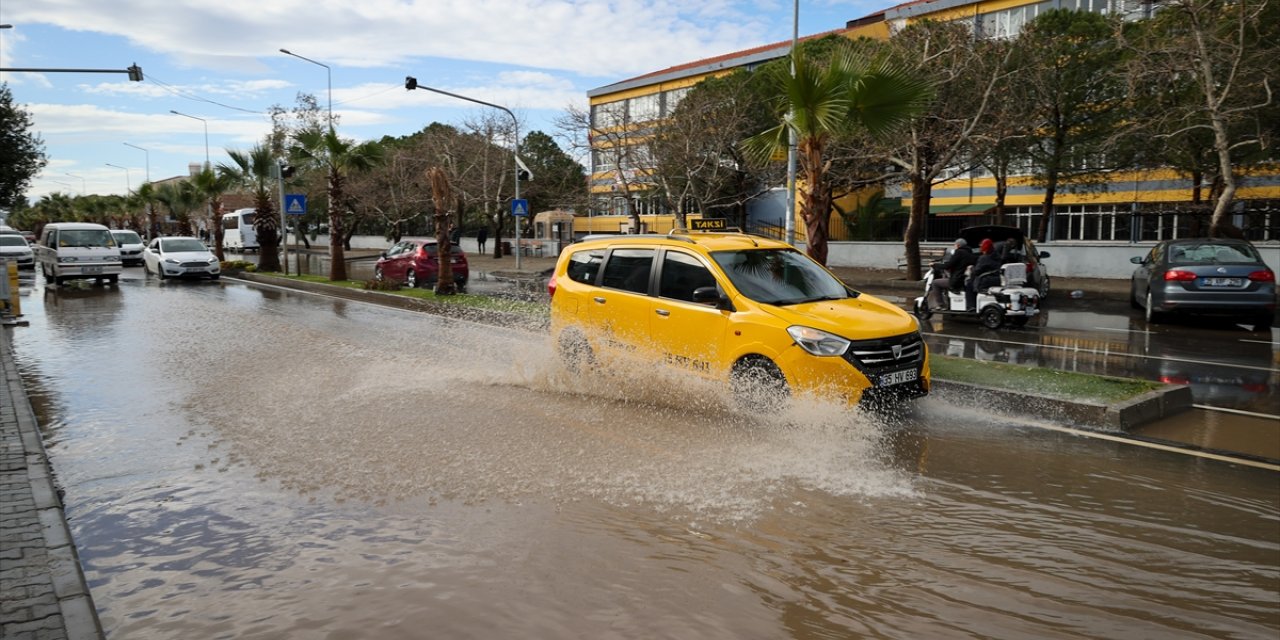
91, 122
596, 38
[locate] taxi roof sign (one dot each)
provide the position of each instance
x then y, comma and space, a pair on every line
708, 224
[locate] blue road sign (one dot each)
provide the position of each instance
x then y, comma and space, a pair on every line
295, 204
520, 207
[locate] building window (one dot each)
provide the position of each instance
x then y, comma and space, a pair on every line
644, 108
671, 99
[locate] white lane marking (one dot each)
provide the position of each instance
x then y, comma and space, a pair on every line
1161, 447
1241, 412
1110, 353
1270, 342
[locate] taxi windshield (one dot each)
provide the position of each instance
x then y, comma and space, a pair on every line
779, 276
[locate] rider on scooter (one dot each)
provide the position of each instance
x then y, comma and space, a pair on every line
961, 257
986, 273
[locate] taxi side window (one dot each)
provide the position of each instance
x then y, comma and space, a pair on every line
628, 269
583, 266
681, 275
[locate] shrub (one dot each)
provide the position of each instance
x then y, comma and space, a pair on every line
234, 266
381, 285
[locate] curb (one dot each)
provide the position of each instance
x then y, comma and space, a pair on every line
75, 604
489, 316
1119, 417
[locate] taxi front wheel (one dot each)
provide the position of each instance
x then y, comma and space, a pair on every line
758, 385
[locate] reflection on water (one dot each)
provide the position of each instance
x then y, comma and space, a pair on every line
263, 467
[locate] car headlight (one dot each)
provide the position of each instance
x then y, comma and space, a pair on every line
171, 261
818, 342
213, 260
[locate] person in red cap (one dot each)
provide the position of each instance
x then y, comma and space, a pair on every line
986, 273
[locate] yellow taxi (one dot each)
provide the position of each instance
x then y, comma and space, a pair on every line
746, 309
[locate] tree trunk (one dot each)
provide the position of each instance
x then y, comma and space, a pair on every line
337, 259
218, 232
442, 198
1002, 190
921, 194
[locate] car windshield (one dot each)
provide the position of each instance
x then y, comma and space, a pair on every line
126, 237
182, 244
1211, 253
12, 241
779, 276
85, 238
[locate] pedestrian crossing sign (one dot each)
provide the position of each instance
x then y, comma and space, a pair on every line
295, 204
520, 207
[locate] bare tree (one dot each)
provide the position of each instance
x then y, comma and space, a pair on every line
442, 197
619, 146
1210, 65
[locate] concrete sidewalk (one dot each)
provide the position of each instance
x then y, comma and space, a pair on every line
42, 589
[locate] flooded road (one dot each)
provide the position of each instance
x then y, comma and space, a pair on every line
251, 463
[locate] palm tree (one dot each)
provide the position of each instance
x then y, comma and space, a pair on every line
819, 102
179, 199
147, 194
255, 171
338, 157
211, 185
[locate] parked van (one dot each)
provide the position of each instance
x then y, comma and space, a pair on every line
748, 310
78, 251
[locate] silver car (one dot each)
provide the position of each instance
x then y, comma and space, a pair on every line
180, 257
1205, 276
15, 247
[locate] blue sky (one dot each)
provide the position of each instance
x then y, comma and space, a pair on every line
533, 56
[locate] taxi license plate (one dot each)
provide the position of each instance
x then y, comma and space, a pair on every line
90, 269
1223, 282
899, 377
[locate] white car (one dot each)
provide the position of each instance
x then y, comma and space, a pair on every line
15, 247
130, 245
180, 257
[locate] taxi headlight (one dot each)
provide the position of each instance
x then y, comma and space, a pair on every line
818, 342
172, 261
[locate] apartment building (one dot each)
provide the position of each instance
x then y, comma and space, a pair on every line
1131, 207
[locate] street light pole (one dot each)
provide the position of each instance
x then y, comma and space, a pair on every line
329, 75
128, 187
151, 216
790, 223
148, 156
411, 83
206, 133
82, 182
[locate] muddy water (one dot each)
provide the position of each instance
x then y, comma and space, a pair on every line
256, 464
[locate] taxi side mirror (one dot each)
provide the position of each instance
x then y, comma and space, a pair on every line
711, 296
1137, 260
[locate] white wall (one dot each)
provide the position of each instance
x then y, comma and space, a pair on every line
1066, 259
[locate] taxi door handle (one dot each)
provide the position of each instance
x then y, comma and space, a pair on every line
662, 312
599, 299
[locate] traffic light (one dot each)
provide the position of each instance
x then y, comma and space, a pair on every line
523, 175
287, 170
135, 73
410, 83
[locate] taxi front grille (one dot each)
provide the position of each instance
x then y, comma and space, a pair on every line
193, 265
886, 353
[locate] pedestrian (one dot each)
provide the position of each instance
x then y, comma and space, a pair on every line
456, 236
481, 236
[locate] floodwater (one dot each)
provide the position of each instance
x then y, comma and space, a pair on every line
251, 463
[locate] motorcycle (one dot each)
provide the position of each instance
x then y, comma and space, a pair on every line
1010, 302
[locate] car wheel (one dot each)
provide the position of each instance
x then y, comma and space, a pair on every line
1264, 322
1153, 316
992, 317
575, 351
215, 277
411, 278
1133, 298
922, 310
113, 280
377, 274
758, 385
1044, 287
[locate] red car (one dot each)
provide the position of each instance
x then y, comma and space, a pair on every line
414, 263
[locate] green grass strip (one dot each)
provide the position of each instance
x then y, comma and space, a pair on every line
1040, 381
461, 299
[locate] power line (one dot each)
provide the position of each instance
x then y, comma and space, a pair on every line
183, 93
